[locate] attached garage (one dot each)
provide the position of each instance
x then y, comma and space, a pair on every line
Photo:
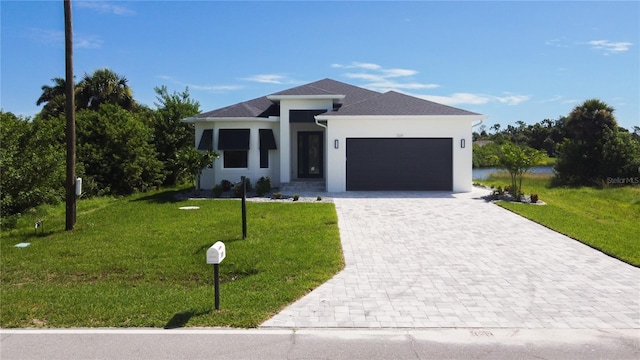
399, 164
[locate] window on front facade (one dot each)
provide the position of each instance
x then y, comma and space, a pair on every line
264, 158
234, 159
267, 142
235, 146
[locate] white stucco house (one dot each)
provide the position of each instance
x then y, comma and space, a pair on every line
350, 137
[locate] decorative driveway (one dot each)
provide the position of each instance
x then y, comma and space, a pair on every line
442, 260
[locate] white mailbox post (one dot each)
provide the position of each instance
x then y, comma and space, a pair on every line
216, 253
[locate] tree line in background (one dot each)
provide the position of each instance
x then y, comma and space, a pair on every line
125, 147
588, 146
122, 146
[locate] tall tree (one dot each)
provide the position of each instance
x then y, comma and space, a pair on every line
116, 152
53, 98
32, 162
590, 121
51, 92
171, 135
104, 87
636, 133
595, 149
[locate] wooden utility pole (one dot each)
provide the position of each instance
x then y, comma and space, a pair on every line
70, 109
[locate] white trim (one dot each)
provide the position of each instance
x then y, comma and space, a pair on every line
402, 117
271, 119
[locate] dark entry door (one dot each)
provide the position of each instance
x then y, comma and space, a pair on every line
310, 154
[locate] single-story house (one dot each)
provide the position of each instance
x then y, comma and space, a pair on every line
350, 137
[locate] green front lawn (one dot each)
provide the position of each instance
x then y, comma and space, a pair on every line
606, 219
140, 262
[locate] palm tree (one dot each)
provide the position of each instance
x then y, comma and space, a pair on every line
104, 87
53, 98
50, 92
582, 158
590, 121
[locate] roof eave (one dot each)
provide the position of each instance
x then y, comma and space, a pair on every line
470, 117
238, 119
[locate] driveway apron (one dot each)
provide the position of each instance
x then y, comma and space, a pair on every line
429, 260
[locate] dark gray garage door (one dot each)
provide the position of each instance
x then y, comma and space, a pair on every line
399, 164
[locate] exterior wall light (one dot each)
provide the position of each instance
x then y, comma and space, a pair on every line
462, 143
336, 143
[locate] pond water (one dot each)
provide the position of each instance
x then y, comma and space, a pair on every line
483, 173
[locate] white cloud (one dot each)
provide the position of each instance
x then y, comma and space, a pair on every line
475, 99
211, 88
216, 88
386, 85
557, 43
384, 73
511, 99
398, 72
56, 38
105, 7
457, 99
383, 79
87, 42
45, 36
357, 65
363, 76
609, 47
551, 99
379, 78
269, 79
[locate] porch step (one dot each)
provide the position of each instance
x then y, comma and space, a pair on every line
303, 186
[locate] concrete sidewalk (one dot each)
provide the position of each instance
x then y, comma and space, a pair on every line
442, 260
334, 344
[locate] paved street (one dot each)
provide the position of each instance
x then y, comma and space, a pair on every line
334, 344
442, 260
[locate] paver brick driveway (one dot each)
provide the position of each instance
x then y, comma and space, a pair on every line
418, 260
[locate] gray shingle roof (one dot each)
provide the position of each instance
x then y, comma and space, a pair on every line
357, 101
331, 87
395, 103
259, 107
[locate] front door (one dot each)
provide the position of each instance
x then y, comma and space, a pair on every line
310, 154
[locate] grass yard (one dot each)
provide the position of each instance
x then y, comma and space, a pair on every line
606, 219
140, 262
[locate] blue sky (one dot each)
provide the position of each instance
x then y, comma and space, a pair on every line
511, 61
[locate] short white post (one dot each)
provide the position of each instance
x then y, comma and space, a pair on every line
215, 255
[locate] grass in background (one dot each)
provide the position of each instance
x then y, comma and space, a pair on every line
606, 219
140, 262
547, 161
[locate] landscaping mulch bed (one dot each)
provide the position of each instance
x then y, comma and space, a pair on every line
251, 196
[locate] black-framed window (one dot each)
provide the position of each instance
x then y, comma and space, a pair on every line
206, 140
264, 159
233, 139
267, 142
236, 159
235, 144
